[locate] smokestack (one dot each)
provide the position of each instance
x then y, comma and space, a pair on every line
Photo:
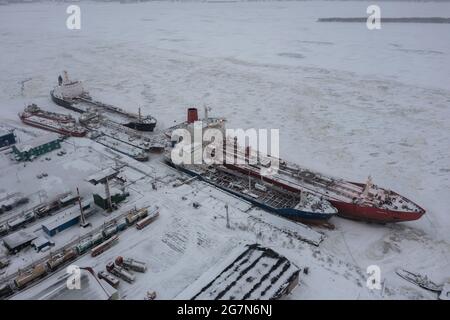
83, 221
192, 115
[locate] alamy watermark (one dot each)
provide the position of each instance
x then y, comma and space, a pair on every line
374, 19
73, 21
374, 278
214, 147
73, 282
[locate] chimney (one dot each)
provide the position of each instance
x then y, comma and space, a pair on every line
192, 115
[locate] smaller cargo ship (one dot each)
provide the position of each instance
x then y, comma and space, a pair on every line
299, 206
71, 95
46, 123
35, 110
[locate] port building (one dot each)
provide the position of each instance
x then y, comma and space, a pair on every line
101, 199
66, 220
18, 240
32, 149
251, 272
7, 138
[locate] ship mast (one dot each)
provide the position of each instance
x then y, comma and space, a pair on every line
368, 187
66, 76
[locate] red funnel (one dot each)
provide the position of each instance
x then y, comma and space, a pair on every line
192, 115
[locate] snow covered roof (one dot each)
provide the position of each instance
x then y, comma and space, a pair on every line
249, 272
41, 241
102, 175
18, 238
39, 141
71, 213
4, 132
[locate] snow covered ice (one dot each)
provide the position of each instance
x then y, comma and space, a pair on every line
348, 101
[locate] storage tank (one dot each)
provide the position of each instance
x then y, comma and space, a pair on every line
28, 276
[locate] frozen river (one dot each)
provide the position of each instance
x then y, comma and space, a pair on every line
284, 33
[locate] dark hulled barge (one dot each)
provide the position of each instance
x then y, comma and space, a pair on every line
299, 206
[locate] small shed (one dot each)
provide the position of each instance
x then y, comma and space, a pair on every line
41, 243
101, 200
7, 138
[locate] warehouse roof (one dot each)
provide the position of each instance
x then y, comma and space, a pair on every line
41, 242
39, 141
101, 176
68, 215
18, 238
251, 272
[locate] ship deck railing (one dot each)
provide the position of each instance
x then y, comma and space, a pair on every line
349, 191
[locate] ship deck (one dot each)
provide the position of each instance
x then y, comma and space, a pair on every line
332, 188
121, 147
127, 135
272, 196
114, 113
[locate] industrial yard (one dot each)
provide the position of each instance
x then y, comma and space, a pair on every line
92, 186
168, 243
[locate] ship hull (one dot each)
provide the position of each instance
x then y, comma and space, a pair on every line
306, 217
345, 209
65, 104
71, 106
373, 214
141, 126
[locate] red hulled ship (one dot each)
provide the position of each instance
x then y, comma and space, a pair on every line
35, 110
358, 201
43, 120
